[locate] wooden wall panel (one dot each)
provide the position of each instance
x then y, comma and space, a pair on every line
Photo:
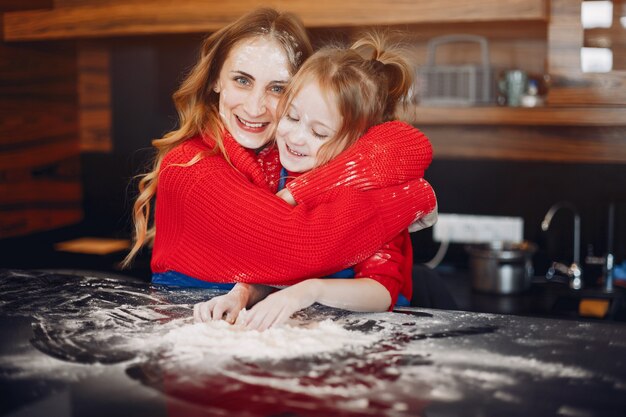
39, 151
13, 5
78, 3
512, 44
94, 96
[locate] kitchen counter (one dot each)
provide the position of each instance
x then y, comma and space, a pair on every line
542, 299
95, 344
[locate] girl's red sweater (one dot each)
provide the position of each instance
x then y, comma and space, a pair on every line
391, 265
221, 224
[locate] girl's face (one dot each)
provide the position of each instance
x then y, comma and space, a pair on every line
250, 83
311, 120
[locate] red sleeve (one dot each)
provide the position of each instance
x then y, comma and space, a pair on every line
391, 266
388, 154
213, 224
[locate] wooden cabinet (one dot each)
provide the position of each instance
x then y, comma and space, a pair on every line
584, 119
70, 19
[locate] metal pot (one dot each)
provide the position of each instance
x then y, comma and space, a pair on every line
501, 267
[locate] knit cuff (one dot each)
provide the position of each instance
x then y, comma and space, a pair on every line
400, 206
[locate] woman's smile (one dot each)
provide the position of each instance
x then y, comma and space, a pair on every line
253, 127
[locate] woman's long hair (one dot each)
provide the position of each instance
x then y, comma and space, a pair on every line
197, 104
368, 82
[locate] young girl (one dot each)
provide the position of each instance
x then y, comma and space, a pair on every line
336, 96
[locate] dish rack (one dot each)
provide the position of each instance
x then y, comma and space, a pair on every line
456, 85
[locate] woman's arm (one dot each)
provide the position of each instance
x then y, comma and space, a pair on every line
388, 154
213, 224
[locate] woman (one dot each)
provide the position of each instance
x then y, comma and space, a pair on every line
216, 215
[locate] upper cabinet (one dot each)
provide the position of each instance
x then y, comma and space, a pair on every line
100, 18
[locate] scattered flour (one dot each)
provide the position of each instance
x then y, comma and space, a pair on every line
494, 362
454, 370
566, 410
287, 341
507, 397
32, 365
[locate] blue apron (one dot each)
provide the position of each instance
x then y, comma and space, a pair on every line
176, 279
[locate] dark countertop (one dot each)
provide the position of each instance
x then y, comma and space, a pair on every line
542, 299
98, 345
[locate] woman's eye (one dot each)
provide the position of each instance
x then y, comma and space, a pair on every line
243, 81
277, 89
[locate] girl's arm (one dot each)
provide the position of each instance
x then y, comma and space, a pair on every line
363, 295
375, 288
228, 306
388, 154
392, 267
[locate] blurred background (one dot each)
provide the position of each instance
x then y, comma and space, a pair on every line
525, 107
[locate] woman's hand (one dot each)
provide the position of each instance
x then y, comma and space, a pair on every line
279, 306
225, 306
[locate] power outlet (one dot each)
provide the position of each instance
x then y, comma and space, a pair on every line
466, 228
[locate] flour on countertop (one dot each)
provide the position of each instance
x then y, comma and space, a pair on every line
376, 364
287, 341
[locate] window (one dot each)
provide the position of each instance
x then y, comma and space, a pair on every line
604, 28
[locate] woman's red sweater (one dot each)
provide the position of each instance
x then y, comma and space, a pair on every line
221, 224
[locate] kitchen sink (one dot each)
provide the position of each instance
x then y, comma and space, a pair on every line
590, 303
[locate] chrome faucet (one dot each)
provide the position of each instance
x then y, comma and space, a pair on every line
574, 272
608, 265
608, 259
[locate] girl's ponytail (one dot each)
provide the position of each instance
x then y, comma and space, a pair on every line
390, 60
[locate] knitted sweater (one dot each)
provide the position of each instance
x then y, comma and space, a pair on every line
221, 224
391, 265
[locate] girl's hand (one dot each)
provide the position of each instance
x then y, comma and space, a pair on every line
285, 194
225, 306
279, 306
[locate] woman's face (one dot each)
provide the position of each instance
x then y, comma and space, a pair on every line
311, 120
250, 83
